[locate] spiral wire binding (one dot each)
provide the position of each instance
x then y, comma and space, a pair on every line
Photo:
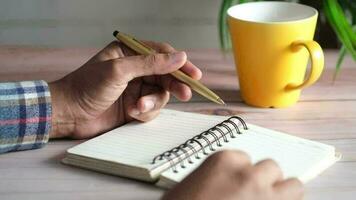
202, 136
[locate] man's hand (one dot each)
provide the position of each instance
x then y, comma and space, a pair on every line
229, 175
115, 87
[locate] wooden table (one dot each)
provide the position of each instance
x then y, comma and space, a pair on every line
326, 113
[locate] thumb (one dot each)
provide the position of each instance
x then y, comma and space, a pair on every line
154, 64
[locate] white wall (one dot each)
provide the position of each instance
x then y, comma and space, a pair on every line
183, 23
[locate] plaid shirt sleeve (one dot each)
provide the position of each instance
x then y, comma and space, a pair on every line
25, 115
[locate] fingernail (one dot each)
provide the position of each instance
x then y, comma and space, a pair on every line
178, 56
148, 105
135, 112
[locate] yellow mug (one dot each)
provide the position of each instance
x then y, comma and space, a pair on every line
272, 42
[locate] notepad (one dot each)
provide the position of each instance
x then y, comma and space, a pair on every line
168, 148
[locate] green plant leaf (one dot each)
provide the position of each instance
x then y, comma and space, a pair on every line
341, 57
342, 54
223, 31
349, 6
224, 35
339, 23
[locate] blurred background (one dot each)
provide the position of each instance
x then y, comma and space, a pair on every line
184, 23
189, 24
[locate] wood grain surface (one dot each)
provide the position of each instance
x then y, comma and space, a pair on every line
326, 112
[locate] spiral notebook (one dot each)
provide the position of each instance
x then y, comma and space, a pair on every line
168, 148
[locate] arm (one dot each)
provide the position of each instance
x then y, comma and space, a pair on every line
25, 115
112, 88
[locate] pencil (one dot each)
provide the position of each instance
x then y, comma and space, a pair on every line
143, 49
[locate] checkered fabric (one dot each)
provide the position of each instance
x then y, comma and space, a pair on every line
25, 115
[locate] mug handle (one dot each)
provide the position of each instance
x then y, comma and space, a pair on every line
317, 62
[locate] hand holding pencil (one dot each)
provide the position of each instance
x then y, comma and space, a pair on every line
143, 49
117, 86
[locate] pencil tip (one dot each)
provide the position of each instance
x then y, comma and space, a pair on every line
115, 33
221, 102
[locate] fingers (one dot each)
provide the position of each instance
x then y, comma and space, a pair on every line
230, 175
156, 64
111, 51
192, 70
267, 174
188, 68
122, 70
180, 90
116, 50
290, 189
148, 107
268, 171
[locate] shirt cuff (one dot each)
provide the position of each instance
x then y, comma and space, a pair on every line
25, 115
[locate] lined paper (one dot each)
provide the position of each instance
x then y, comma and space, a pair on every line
136, 143
297, 157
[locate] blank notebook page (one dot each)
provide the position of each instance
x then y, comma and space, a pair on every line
136, 144
297, 157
